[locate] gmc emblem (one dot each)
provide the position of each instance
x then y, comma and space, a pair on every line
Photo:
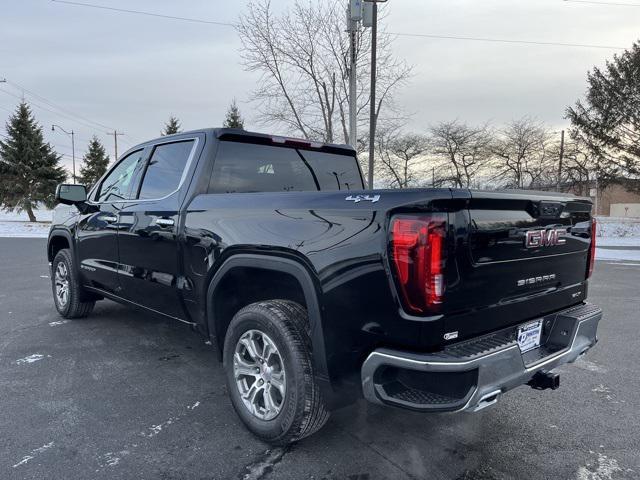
545, 238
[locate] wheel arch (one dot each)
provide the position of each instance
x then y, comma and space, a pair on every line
279, 265
59, 239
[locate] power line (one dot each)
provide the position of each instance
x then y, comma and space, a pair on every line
58, 107
609, 4
150, 14
505, 40
402, 34
37, 105
64, 112
68, 114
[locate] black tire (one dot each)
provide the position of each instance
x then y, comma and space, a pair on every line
75, 306
302, 411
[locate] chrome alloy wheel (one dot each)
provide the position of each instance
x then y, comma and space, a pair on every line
259, 373
62, 284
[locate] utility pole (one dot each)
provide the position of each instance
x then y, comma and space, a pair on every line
560, 162
372, 100
353, 121
354, 16
115, 142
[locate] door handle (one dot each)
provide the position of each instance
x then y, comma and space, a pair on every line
109, 218
165, 222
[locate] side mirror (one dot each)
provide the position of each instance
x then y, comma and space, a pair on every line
71, 194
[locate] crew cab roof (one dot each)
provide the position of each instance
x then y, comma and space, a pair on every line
239, 135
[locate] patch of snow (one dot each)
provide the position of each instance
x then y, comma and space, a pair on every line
24, 229
13, 224
111, 459
58, 322
42, 215
618, 242
603, 469
33, 453
617, 232
581, 362
264, 465
30, 359
156, 429
618, 227
624, 255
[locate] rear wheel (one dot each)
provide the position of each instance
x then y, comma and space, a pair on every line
270, 378
67, 293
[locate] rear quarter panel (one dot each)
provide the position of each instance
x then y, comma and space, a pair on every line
343, 244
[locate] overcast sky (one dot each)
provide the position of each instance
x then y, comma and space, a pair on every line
131, 72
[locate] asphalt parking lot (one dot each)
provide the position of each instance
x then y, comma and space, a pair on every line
124, 394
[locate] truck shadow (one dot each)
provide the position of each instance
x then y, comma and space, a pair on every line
362, 441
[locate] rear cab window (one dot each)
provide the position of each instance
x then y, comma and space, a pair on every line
245, 168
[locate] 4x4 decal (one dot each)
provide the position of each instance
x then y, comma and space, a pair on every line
363, 198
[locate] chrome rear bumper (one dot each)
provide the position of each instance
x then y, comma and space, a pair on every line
472, 375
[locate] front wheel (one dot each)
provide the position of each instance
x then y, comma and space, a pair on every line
270, 378
67, 293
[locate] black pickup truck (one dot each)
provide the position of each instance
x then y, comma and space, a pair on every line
316, 291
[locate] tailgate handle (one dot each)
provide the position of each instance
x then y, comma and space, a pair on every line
551, 209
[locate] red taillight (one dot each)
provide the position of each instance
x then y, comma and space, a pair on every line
417, 255
592, 248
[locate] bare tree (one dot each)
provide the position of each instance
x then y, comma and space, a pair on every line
400, 157
579, 165
302, 56
464, 151
524, 154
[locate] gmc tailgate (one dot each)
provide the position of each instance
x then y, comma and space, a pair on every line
525, 254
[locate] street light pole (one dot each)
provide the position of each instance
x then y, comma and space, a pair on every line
73, 147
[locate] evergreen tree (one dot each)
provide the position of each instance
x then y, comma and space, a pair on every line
233, 119
172, 126
29, 168
95, 161
608, 120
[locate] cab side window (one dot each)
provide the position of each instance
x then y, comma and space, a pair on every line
117, 183
165, 169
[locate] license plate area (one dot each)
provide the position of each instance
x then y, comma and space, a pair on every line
529, 335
